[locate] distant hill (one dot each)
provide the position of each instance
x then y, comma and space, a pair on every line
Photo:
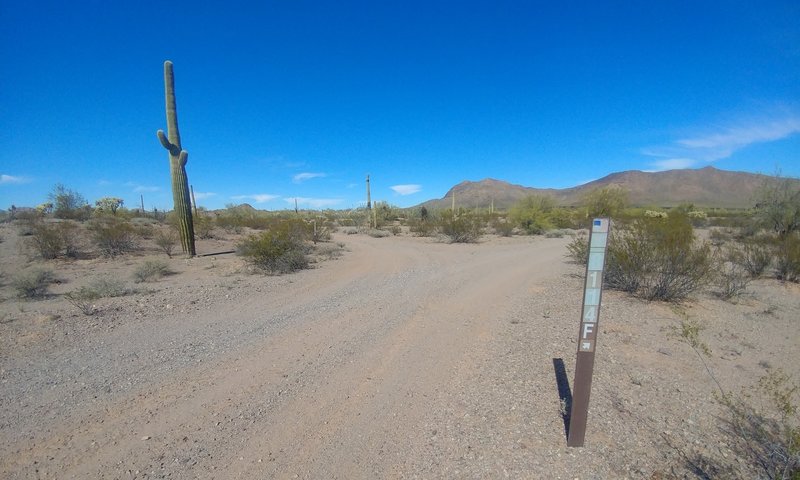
705, 187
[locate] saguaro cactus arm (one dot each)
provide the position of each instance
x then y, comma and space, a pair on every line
183, 158
162, 137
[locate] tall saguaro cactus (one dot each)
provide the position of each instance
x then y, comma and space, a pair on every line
177, 164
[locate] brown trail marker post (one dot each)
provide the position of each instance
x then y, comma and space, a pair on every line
587, 334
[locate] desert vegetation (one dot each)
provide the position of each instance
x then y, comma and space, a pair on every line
665, 256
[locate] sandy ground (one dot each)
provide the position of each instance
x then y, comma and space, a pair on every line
403, 358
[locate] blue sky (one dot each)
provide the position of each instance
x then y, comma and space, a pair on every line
280, 100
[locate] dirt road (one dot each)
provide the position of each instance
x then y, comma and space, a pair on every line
404, 358
332, 374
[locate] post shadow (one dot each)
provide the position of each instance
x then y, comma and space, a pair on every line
564, 392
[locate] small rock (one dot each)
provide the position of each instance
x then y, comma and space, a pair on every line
146, 437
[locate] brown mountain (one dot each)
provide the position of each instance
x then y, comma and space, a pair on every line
706, 187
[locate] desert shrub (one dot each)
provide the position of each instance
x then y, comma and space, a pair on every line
350, 230
113, 237
203, 226
731, 279
655, 214
766, 437
422, 227
532, 214
231, 220
460, 227
52, 240
82, 299
280, 249
384, 213
376, 233
501, 226
69, 204
578, 248
151, 270
166, 240
33, 283
787, 258
108, 205
608, 201
320, 233
778, 205
755, 256
109, 287
395, 230
658, 259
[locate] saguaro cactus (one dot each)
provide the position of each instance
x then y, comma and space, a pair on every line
177, 163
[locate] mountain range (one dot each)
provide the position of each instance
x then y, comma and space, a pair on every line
704, 187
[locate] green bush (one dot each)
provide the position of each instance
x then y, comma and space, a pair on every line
422, 227
151, 270
578, 248
33, 283
609, 201
658, 259
731, 279
280, 249
52, 240
460, 227
113, 237
532, 214
166, 240
787, 258
203, 226
69, 204
109, 287
755, 256
82, 299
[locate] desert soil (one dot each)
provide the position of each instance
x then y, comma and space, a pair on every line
403, 358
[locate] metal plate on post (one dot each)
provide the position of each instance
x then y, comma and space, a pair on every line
587, 333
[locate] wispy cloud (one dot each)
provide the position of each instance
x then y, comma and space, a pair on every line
142, 188
314, 202
406, 189
256, 197
302, 177
672, 164
12, 180
709, 145
104, 183
203, 195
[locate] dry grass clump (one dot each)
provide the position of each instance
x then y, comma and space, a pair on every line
33, 283
150, 271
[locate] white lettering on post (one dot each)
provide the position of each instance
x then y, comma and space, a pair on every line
587, 330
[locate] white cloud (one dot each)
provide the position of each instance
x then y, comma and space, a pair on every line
314, 202
302, 177
721, 142
142, 188
103, 183
203, 195
406, 189
12, 180
257, 197
672, 164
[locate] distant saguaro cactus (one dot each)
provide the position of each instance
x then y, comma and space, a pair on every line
177, 162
